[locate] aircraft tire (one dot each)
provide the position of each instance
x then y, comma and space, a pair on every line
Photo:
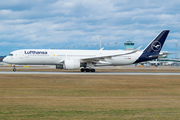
92, 70
82, 70
14, 69
87, 70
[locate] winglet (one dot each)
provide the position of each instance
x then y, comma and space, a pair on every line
136, 49
102, 48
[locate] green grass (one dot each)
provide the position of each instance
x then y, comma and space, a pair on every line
74, 97
32, 112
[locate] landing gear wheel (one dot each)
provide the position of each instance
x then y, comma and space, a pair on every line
14, 69
92, 70
82, 70
87, 70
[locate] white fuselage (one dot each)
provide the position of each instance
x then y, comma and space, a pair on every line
55, 57
86, 60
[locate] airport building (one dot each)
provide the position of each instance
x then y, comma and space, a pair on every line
129, 45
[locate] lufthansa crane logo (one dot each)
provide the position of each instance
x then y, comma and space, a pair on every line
156, 46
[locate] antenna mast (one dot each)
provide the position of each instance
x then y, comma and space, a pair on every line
100, 42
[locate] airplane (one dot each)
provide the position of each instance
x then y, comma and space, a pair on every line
87, 60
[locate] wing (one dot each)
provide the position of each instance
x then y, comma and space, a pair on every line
96, 59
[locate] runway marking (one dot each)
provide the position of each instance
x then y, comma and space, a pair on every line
90, 73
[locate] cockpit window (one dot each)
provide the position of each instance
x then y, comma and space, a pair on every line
10, 54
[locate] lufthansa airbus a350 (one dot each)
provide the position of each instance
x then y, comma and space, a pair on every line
87, 60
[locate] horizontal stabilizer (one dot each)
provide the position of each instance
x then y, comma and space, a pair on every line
160, 55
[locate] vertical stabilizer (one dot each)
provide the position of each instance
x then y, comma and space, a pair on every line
152, 50
156, 45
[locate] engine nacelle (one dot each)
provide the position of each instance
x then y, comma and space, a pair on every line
71, 64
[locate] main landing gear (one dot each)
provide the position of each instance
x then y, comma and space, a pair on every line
87, 70
14, 69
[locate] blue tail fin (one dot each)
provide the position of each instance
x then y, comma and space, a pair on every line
156, 45
153, 49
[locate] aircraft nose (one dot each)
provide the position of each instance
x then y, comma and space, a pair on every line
5, 60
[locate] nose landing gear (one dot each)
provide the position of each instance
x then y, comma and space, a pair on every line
14, 69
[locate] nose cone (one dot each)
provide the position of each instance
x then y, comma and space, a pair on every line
5, 60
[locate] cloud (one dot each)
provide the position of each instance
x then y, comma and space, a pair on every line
59, 23
172, 41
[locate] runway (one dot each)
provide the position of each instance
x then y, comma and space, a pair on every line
86, 73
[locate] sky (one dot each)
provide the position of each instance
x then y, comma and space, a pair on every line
75, 24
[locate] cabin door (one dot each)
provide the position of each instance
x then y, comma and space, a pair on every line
21, 55
52, 55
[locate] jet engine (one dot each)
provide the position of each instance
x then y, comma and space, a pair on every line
71, 64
